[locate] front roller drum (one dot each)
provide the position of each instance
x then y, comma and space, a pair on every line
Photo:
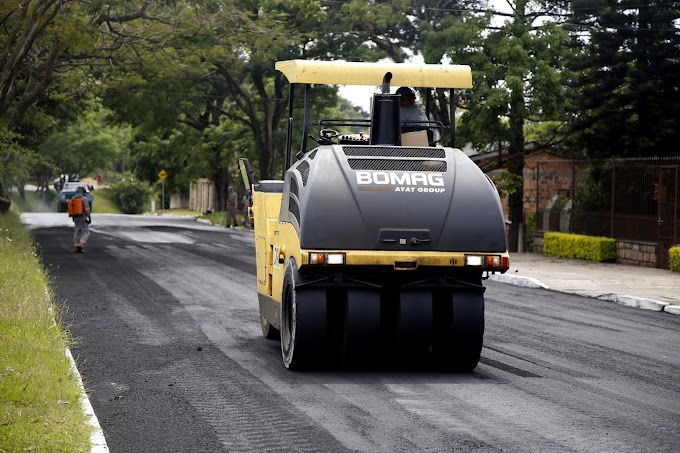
458, 329
303, 321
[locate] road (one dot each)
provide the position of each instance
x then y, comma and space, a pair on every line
169, 346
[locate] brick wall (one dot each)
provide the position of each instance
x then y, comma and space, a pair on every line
545, 175
636, 253
538, 242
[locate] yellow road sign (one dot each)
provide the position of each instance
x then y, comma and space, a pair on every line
162, 174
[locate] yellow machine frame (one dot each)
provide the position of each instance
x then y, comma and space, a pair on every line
277, 241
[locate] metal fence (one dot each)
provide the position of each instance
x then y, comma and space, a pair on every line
626, 199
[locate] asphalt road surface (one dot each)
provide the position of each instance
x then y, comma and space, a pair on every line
170, 348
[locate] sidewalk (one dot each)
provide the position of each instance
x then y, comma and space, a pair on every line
642, 287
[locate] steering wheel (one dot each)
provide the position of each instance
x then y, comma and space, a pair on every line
328, 134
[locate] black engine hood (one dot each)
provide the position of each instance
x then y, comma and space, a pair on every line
392, 198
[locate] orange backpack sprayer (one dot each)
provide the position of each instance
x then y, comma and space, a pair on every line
75, 206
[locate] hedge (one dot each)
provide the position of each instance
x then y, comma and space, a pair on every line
579, 246
674, 254
129, 195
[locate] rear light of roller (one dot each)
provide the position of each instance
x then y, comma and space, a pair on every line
326, 258
473, 260
317, 258
492, 261
487, 261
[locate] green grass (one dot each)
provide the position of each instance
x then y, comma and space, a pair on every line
103, 204
35, 202
216, 218
178, 212
39, 396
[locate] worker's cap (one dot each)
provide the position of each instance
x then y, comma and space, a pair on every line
405, 92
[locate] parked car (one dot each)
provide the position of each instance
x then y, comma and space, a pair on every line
68, 191
63, 178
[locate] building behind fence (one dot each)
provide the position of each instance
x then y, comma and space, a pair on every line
632, 200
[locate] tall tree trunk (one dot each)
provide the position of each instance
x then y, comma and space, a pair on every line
515, 165
220, 177
5, 200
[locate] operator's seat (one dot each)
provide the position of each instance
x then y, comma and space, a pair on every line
415, 138
269, 186
429, 139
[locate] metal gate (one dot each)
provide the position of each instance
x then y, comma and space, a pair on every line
666, 195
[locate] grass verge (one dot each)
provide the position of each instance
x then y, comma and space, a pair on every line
216, 218
40, 407
219, 217
39, 202
103, 204
35, 201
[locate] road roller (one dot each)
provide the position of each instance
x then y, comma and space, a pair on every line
374, 245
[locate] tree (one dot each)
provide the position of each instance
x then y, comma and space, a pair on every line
43, 44
187, 75
15, 164
215, 73
86, 145
517, 78
626, 96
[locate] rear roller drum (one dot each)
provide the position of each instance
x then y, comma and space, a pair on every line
361, 335
415, 326
303, 322
459, 329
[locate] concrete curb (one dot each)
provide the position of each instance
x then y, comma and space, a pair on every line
97, 439
672, 309
634, 301
518, 280
629, 301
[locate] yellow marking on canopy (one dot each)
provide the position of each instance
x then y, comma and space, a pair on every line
360, 73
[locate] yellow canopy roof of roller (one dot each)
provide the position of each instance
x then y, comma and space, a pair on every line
358, 73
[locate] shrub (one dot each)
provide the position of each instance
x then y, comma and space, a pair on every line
579, 246
129, 195
674, 255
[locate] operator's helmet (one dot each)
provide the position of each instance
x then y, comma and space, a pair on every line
405, 92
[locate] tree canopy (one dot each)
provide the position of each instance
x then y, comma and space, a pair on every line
518, 79
625, 94
189, 85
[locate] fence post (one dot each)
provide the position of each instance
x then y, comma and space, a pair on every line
565, 217
613, 199
538, 191
546, 213
573, 193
